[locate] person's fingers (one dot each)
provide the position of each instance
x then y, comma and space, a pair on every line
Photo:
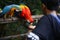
32, 27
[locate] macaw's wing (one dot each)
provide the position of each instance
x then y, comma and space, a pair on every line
6, 9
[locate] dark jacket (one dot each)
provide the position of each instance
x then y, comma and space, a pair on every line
48, 28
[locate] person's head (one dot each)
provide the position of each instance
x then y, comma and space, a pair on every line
51, 5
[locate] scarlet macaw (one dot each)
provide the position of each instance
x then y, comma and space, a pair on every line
26, 13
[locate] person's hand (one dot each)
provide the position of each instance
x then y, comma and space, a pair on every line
31, 26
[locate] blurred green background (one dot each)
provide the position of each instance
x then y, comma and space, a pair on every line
34, 5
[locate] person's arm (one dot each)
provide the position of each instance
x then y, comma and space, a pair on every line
42, 30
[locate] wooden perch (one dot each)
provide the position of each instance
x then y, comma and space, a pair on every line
9, 20
14, 19
13, 36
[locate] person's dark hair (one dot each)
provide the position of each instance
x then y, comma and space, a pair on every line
51, 4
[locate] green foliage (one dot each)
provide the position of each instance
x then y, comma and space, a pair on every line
32, 4
12, 29
36, 12
58, 10
35, 6
8, 2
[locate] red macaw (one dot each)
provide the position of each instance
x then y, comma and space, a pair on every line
26, 13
